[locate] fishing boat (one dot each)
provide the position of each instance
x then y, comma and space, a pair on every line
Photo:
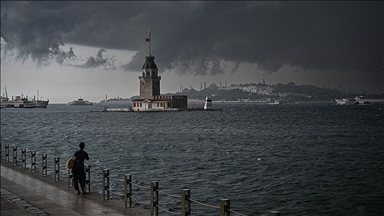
80, 101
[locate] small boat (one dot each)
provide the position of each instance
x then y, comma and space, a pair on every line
80, 101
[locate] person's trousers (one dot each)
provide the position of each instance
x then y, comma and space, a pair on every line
79, 178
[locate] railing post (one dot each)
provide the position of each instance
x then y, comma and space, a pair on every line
154, 198
88, 180
33, 161
127, 190
44, 163
14, 154
56, 163
70, 177
105, 183
274, 213
6, 150
23, 158
185, 202
224, 207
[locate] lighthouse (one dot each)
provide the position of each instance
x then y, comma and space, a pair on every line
208, 103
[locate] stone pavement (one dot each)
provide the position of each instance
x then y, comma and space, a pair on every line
24, 193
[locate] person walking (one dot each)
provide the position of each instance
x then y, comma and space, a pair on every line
78, 169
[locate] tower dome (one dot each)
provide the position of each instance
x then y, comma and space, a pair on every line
149, 63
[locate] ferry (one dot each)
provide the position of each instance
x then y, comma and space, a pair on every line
80, 101
346, 101
359, 100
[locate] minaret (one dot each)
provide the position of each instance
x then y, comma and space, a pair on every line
150, 80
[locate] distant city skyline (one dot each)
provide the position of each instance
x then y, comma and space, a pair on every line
99, 47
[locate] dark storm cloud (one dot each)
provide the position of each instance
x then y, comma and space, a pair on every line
98, 61
35, 30
206, 37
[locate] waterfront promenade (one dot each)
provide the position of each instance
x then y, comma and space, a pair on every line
26, 193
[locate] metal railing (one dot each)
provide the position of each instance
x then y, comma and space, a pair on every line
224, 206
154, 202
44, 164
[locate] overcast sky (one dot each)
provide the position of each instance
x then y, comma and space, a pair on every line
68, 50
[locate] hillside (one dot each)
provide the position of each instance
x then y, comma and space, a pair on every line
263, 93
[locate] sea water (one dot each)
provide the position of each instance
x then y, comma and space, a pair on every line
299, 159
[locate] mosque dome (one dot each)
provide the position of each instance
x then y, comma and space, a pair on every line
149, 63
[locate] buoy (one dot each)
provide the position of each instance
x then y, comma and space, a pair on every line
208, 103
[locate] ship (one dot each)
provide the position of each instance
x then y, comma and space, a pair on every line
42, 103
21, 102
346, 101
359, 100
80, 101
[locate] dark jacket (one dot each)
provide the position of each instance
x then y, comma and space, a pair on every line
80, 155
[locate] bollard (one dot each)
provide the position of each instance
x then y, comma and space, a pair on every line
88, 181
6, 150
274, 213
33, 161
224, 207
105, 186
185, 202
56, 169
23, 158
14, 154
44, 162
154, 198
127, 190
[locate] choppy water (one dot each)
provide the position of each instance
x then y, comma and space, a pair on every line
304, 159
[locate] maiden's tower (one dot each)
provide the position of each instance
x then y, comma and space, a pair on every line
150, 97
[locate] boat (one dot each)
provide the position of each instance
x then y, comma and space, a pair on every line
42, 103
365, 101
18, 102
7, 103
21, 102
358, 100
276, 102
80, 101
346, 101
